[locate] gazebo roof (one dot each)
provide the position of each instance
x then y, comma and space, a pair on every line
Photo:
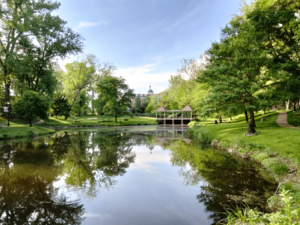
187, 109
161, 109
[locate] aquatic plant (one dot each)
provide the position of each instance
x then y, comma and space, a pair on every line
286, 215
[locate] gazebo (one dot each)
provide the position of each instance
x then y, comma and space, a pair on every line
162, 114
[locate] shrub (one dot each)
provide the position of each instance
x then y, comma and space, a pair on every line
202, 136
30, 106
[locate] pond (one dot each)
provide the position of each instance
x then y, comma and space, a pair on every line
144, 175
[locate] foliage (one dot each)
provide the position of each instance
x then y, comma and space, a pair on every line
117, 95
31, 106
236, 70
61, 107
138, 102
81, 103
247, 216
33, 37
276, 25
81, 74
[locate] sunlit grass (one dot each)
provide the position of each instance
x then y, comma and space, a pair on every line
284, 141
98, 121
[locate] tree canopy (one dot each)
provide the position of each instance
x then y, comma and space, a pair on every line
116, 94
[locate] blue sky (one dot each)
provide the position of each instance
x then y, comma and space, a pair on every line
147, 39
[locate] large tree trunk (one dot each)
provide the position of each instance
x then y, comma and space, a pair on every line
30, 123
66, 117
287, 105
220, 119
252, 118
294, 106
246, 116
7, 92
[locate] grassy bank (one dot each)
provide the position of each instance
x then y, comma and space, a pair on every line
97, 121
16, 130
282, 141
275, 148
19, 129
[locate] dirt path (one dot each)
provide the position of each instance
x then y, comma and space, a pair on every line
282, 121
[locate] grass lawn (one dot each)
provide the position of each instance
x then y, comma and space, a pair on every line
98, 120
20, 129
284, 141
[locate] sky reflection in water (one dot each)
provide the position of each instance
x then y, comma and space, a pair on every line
123, 176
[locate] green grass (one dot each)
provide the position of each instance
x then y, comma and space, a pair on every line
294, 118
98, 121
284, 141
20, 129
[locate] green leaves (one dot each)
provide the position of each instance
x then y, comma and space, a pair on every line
31, 106
116, 94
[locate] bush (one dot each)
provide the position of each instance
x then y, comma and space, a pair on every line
31, 106
202, 136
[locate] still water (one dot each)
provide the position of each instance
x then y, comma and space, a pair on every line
145, 175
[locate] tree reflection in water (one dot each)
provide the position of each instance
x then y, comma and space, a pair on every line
84, 159
225, 181
27, 194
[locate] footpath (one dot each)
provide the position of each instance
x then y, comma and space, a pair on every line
282, 121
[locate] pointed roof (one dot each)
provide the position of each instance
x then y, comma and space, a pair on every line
187, 108
161, 109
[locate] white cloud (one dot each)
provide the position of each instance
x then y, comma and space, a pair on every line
63, 62
90, 24
141, 77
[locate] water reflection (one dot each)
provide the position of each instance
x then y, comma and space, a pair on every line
225, 181
27, 195
38, 177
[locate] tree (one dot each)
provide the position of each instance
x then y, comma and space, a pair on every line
30, 38
82, 74
152, 104
116, 94
277, 27
31, 106
81, 103
137, 103
61, 107
237, 69
98, 104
